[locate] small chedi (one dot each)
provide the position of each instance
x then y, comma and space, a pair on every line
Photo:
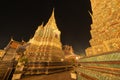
68, 50
69, 53
70, 56
10, 51
45, 45
105, 29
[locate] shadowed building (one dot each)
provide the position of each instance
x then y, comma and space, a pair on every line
11, 50
7, 61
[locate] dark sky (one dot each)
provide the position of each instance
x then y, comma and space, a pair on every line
20, 19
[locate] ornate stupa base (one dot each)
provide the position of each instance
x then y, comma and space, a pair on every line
36, 68
49, 53
106, 46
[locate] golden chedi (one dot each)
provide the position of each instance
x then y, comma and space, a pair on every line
45, 45
105, 29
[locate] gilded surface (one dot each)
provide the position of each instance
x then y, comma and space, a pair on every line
105, 28
46, 43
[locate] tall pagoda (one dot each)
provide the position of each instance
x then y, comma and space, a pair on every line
105, 29
43, 53
45, 44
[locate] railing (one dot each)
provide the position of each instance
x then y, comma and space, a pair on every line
99, 67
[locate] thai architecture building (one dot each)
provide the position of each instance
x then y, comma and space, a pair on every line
43, 52
11, 50
68, 50
105, 29
45, 44
69, 53
8, 58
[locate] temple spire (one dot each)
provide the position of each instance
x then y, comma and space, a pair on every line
52, 21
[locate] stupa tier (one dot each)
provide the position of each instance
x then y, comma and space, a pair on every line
45, 44
105, 29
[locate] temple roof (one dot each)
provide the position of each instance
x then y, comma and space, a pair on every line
13, 44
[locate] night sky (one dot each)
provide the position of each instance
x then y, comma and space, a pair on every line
20, 18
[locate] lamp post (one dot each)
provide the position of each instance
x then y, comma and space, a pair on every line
76, 61
62, 60
77, 58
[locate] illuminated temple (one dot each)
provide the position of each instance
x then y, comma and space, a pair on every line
105, 29
45, 44
41, 51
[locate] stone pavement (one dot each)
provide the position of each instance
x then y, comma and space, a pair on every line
56, 76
